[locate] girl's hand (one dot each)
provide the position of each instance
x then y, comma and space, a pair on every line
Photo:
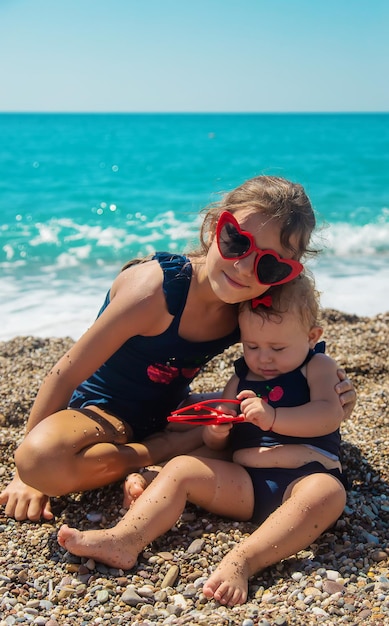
346, 393
216, 436
23, 502
256, 410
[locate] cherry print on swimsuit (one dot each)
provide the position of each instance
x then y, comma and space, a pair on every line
275, 394
165, 374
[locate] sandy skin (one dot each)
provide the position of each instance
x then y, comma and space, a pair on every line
103, 545
228, 584
224, 488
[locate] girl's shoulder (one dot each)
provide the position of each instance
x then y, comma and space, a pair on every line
139, 281
153, 290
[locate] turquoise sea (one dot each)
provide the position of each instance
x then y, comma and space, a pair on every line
80, 194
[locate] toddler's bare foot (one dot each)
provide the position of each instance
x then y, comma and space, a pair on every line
133, 487
135, 484
102, 545
229, 582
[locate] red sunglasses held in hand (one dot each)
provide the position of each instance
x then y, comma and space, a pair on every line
204, 413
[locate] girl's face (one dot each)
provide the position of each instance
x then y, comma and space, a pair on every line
275, 347
234, 280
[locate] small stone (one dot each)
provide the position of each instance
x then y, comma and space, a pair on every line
281, 621
170, 577
196, 546
312, 591
166, 556
146, 591
179, 600
319, 612
65, 592
378, 555
102, 596
46, 605
331, 587
370, 538
94, 516
23, 576
72, 568
130, 596
332, 574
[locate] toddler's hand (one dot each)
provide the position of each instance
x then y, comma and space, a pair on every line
256, 410
219, 431
216, 436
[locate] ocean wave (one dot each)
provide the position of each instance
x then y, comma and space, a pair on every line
342, 239
63, 242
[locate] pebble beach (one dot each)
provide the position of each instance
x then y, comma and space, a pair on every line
341, 579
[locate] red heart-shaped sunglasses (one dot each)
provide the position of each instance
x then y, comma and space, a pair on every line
205, 413
235, 243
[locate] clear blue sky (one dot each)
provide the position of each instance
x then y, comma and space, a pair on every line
194, 55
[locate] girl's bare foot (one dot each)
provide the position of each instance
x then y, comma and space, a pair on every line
102, 545
136, 483
229, 582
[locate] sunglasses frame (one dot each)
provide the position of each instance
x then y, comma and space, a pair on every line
207, 416
228, 218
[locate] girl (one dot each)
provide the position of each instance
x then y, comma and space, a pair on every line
101, 411
286, 476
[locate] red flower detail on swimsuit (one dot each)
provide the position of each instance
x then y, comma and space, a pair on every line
190, 372
276, 393
163, 374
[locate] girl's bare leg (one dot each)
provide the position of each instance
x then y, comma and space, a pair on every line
81, 449
312, 504
217, 486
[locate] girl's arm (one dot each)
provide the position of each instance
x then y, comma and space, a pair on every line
137, 307
217, 437
321, 416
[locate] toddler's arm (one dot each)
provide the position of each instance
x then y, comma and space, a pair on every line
321, 416
217, 437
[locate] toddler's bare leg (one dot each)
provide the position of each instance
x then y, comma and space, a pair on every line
218, 486
313, 503
136, 483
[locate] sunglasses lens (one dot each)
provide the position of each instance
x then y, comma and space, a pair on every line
232, 244
271, 271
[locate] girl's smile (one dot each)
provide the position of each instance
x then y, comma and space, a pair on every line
234, 280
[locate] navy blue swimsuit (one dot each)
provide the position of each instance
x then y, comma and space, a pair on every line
270, 483
148, 377
290, 389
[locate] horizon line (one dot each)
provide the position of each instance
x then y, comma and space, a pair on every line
112, 112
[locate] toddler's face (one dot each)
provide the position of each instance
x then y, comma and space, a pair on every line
271, 347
